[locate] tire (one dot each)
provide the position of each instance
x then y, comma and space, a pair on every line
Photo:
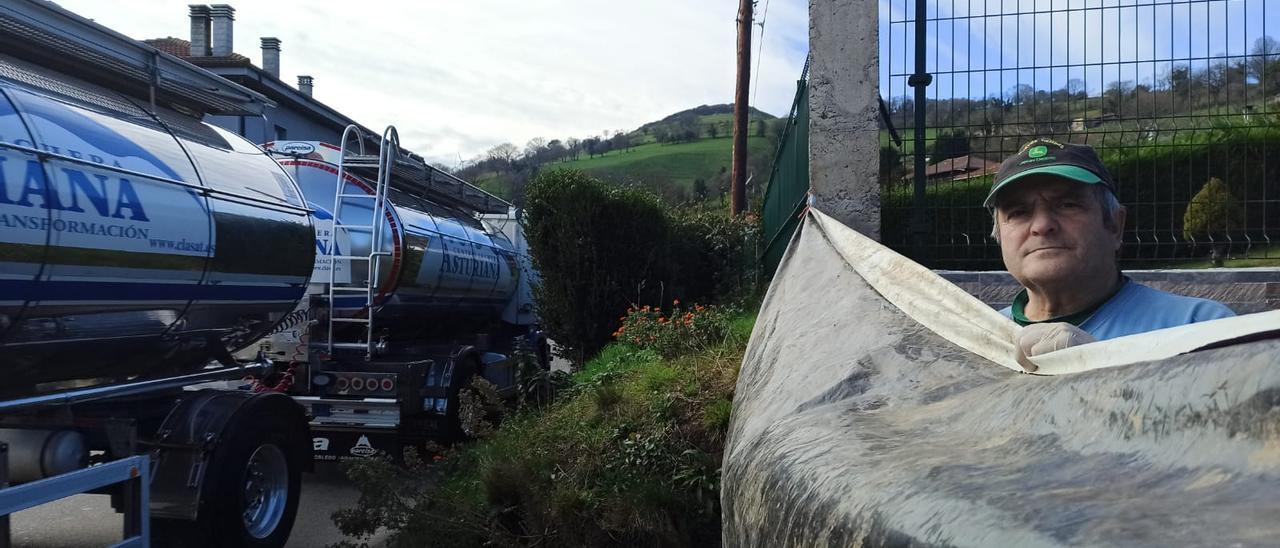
464, 370
250, 494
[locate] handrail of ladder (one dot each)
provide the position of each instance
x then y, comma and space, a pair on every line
388, 152
351, 129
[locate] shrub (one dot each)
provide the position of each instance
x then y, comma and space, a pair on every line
593, 244
1212, 212
711, 256
683, 331
950, 145
480, 408
1147, 174
1212, 215
600, 248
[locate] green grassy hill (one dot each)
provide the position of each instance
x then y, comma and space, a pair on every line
678, 164
702, 119
704, 150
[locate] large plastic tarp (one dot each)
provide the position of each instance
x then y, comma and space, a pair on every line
880, 405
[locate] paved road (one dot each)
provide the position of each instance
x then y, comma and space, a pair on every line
88, 520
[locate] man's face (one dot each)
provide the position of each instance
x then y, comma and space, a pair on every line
1052, 234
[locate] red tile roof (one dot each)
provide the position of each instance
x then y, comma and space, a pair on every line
182, 49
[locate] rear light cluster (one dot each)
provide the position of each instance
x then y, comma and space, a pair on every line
355, 383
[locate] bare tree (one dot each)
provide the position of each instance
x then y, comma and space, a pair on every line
1264, 62
503, 154
1076, 89
534, 150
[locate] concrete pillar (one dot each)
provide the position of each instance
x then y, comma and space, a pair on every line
199, 30
221, 18
844, 131
271, 55
305, 84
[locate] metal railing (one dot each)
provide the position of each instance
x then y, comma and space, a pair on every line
1180, 97
788, 181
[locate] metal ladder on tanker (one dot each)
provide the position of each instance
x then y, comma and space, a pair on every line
388, 151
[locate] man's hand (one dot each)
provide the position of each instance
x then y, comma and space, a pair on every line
1041, 338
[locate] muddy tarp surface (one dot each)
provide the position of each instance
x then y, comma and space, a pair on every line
877, 407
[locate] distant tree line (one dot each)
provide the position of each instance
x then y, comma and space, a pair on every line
1023, 109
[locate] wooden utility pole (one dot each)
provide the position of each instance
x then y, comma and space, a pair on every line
738, 185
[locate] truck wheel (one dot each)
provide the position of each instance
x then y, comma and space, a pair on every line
264, 483
250, 491
463, 372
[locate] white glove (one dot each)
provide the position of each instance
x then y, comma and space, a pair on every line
1042, 338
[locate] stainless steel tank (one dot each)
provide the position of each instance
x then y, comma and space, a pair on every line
133, 243
443, 260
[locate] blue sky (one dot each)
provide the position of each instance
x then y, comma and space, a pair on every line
1097, 41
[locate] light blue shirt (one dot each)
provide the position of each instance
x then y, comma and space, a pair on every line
1137, 308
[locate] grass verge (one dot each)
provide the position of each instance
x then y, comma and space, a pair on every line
627, 454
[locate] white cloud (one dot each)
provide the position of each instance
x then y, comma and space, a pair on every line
459, 77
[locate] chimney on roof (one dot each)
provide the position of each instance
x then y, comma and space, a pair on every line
221, 17
304, 85
199, 30
271, 55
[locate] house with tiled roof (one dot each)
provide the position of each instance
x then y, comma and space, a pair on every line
957, 169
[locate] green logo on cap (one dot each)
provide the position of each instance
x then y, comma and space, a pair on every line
1037, 152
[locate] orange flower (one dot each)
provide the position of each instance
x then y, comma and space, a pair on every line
699, 308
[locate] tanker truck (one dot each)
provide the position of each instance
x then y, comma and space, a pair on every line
188, 320
421, 283
140, 248
180, 309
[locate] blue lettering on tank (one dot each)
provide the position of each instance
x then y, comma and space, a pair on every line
474, 266
97, 194
126, 197
33, 184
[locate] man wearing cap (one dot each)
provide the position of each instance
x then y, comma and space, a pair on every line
1059, 226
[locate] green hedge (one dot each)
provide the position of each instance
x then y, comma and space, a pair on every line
1157, 182
600, 248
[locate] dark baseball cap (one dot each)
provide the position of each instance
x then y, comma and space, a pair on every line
1048, 157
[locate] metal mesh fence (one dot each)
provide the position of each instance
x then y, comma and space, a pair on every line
788, 182
1180, 97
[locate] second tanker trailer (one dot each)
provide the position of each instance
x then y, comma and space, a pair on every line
421, 283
